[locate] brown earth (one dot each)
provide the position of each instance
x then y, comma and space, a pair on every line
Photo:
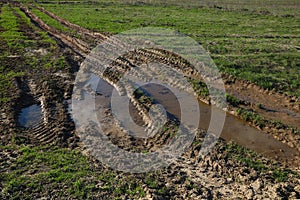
246, 92
269, 104
217, 175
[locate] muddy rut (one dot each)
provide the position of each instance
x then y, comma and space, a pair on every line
235, 129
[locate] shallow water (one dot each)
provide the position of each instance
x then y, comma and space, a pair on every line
30, 116
234, 128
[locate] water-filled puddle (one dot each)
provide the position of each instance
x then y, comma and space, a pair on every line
30, 116
234, 129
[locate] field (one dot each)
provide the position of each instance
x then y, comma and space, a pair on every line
254, 45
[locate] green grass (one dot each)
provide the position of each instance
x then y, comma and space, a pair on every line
11, 37
233, 100
116, 17
250, 116
53, 23
258, 120
247, 157
251, 159
200, 88
285, 8
263, 49
271, 60
11, 32
70, 173
43, 36
50, 167
16, 46
5, 84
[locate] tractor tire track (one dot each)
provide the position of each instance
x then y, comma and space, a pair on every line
123, 65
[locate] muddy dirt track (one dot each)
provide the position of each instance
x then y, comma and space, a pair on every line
274, 105
278, 142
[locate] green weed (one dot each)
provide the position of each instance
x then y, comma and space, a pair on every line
259, 48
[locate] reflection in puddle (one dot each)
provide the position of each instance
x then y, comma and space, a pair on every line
234, 128
30, 116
